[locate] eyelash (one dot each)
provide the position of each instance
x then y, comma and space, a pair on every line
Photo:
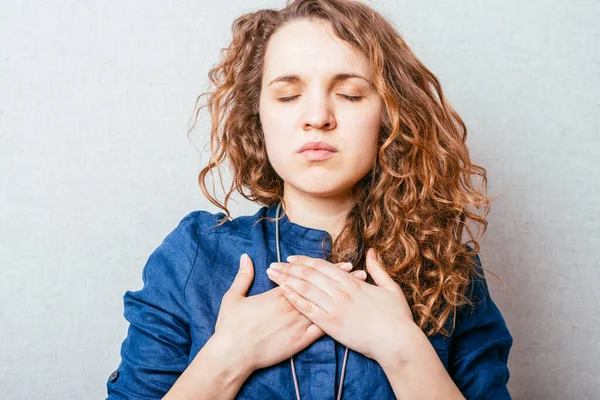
350, 98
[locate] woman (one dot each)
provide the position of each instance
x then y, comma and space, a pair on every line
334, 126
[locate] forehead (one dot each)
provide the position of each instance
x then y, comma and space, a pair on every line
310, 48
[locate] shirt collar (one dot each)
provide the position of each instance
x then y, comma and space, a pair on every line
295, 234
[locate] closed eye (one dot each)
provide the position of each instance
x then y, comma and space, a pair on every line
350, 98
286, 99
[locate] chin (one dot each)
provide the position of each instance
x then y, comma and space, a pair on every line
319, 189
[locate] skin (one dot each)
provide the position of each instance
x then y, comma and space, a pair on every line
251, 333
319, 297
318, 109
374, 320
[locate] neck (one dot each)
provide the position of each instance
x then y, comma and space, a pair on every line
324, 213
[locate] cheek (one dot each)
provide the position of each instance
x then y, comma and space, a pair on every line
278, 126
275, 152
278, 144
365, 153
366, 138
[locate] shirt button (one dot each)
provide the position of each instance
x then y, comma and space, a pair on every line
113, 377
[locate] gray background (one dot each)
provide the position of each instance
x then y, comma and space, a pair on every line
96, 169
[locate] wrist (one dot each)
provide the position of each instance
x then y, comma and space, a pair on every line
217, 371
402, 347
231, 364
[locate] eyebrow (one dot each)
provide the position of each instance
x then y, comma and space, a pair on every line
337, 78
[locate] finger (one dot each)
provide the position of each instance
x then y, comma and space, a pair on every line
360, 274
346, 266
323, 266
309, 274
312, 333
379, 274
244, 277
329, 283
307, 308
305, 287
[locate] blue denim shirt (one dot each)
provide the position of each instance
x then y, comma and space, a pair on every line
175, 312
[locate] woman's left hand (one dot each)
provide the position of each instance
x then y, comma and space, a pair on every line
372, 320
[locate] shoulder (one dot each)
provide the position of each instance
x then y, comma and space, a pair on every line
200, 231
179, 248
200, 223
481, 316
477, 290
174, 258
184, 238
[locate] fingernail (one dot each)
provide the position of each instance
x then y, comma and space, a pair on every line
292, 258
346, 266
275, 265
360, 274
244, 260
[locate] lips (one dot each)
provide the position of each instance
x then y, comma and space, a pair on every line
317, 155
317, 146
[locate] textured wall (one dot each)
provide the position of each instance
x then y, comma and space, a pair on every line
96, 169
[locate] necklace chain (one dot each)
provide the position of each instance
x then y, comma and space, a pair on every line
296, 386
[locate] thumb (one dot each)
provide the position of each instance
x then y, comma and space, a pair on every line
244, 277
379, 274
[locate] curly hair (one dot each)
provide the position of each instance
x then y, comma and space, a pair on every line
416, 202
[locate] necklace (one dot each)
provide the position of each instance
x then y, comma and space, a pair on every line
339, 396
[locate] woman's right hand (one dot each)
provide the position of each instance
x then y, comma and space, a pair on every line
265, 329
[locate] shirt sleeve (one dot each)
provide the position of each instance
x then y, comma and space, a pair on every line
480, 346
156, 349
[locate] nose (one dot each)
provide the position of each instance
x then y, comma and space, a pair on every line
318, 114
